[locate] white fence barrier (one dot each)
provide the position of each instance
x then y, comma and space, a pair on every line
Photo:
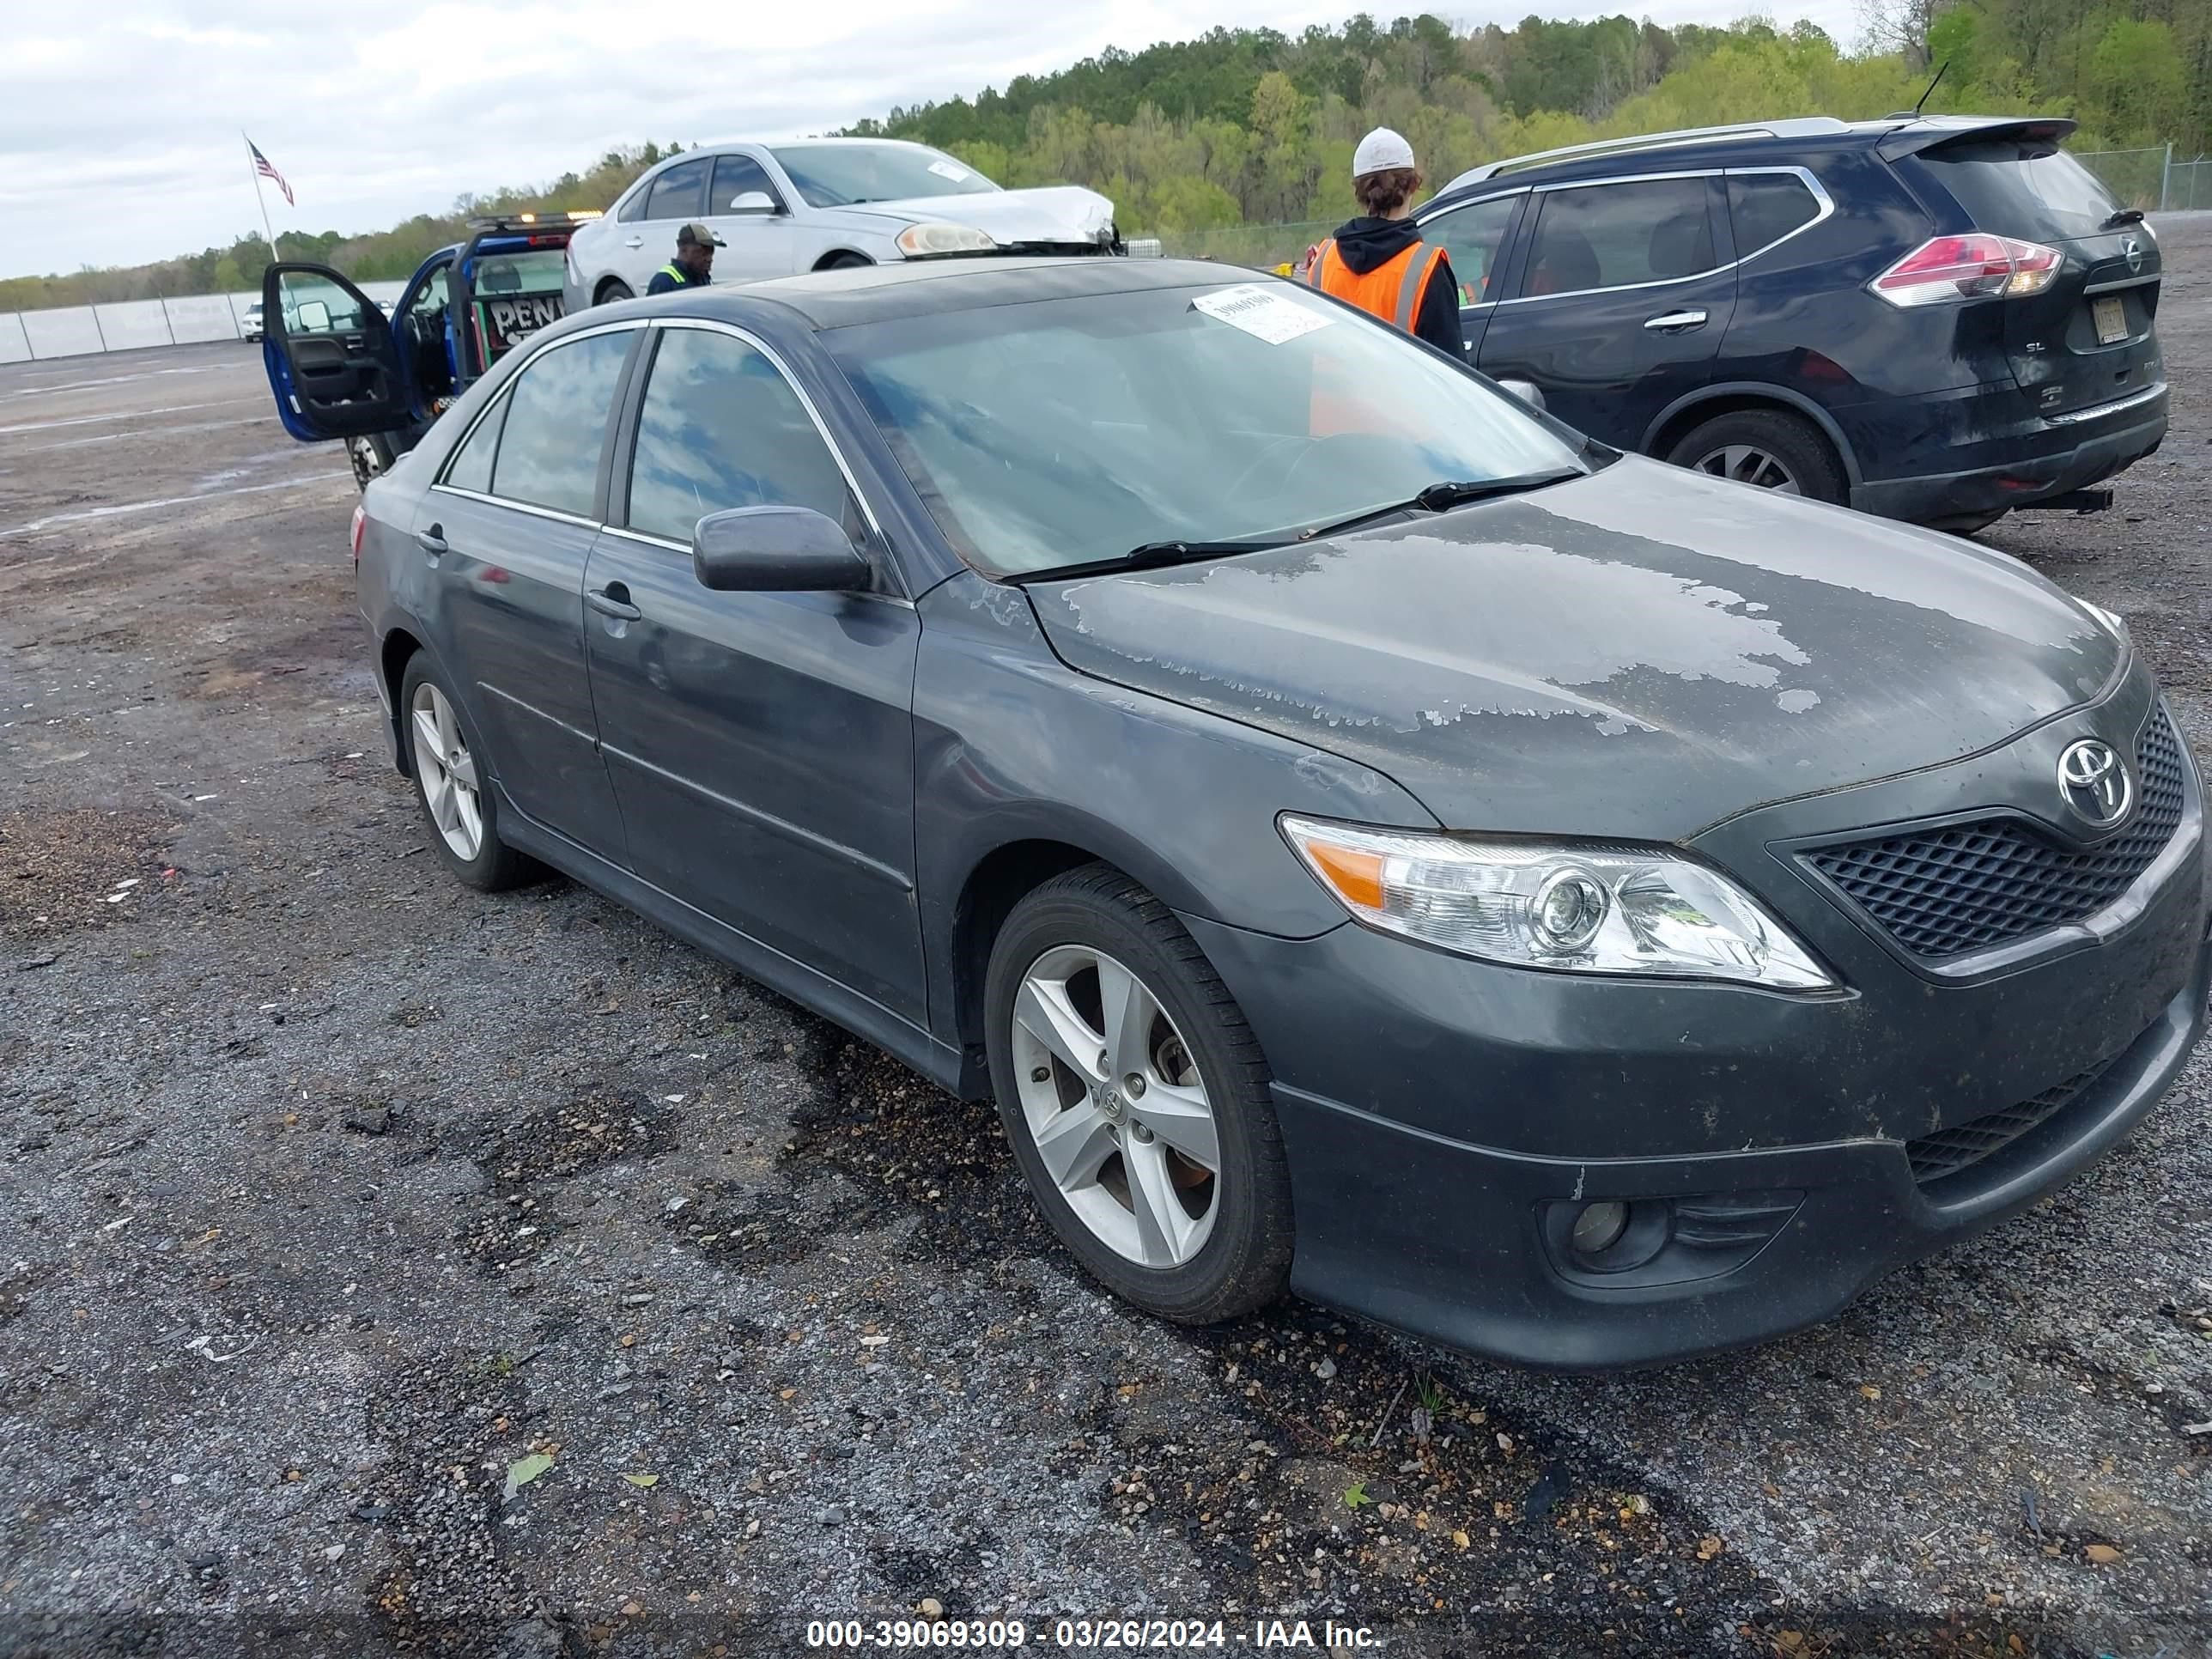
80, 330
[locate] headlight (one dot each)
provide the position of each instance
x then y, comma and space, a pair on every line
923, 240
1589, 909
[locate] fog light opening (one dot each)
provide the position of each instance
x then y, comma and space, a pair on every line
1599, 1227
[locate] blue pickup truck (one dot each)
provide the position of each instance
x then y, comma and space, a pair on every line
345, 370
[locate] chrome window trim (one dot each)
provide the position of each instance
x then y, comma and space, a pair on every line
453, 455
1828, 208
708, 325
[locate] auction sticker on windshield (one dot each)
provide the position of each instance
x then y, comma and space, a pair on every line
1266, 316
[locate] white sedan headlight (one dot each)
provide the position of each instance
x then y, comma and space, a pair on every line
934, 237
1593, 910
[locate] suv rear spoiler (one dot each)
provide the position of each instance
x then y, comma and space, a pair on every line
1921, 137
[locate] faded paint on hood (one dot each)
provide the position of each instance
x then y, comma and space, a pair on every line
1643, 651
1060, 213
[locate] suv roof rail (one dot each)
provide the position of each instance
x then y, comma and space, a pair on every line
1805, 126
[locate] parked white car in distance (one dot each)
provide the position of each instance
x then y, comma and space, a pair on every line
817, 203
251, 329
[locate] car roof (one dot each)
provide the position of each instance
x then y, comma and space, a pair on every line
1789, 134
871, 293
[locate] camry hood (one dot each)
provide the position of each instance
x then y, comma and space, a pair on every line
1645, 651
1061, 216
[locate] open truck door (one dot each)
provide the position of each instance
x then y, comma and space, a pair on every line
331, 356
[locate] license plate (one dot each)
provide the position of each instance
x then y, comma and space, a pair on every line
2112, 318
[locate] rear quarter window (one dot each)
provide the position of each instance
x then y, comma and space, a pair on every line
2020, 188
1766, 207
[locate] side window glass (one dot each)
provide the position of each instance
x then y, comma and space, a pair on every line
315, 305
1617, 235
471, 467
556, 419
679, 193
736, 176
1470, 238
719, 427
1766, 207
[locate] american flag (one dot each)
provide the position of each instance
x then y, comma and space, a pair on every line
262, 165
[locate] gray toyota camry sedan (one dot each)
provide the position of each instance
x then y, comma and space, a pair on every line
1371, 841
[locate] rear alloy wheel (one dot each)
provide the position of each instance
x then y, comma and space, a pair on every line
451, 784
611, 292
371, 457
1137, 1102
1768, 449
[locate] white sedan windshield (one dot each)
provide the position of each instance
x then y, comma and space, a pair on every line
1066, 431
845, 174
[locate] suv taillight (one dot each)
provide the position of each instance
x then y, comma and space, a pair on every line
1978, 266
360, 528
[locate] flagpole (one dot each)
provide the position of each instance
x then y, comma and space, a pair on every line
274, 257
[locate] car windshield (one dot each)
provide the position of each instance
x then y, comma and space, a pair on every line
839, 175
1066, 431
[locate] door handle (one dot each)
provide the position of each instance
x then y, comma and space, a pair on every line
1671, 321
613, 600
433, 540
634, 241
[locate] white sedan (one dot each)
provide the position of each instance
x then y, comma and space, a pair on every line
818, 203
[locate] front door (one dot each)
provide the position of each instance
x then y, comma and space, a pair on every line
505, 532
1623, 294
762, 745
330, 355
747, 212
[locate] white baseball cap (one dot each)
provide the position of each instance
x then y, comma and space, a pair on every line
1380, 151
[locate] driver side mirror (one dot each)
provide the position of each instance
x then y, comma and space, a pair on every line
753, 201
1527, 391
315, 317
777, 549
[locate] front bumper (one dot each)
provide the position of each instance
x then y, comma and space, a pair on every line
1445, 1119
2020, 467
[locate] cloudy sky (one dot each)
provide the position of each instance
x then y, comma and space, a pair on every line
120, 122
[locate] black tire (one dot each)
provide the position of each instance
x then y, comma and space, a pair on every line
1802, 448
371, 455
843, 262
496, 866
611, 291
1245, 1262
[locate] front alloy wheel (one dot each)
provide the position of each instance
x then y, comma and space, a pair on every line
1115, 1107
1136, 1099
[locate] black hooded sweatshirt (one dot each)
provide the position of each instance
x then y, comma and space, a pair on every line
1363, 244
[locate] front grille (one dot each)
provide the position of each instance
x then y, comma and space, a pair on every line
1945, 892
1947, 1152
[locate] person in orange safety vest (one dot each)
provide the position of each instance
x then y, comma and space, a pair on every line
1378, 261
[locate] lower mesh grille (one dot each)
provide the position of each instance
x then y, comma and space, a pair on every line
1945, 892
1947, 1152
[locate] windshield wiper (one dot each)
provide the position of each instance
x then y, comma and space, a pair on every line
2123, 217
1444, 496
1150, 555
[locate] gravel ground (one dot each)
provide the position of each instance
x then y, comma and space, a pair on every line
338, 1202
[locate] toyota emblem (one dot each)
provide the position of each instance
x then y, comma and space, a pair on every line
2095, 783
2133, 249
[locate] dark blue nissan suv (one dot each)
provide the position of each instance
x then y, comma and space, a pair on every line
1934, 319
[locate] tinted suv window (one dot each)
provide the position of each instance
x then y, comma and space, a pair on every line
557, 418
733, 176
1470, 236
1766, 207
1615, 235
678, 193
2018, 189
720, 427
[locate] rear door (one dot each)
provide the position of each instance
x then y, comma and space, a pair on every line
2089, 337
504, 534
330, 355
1623, 293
